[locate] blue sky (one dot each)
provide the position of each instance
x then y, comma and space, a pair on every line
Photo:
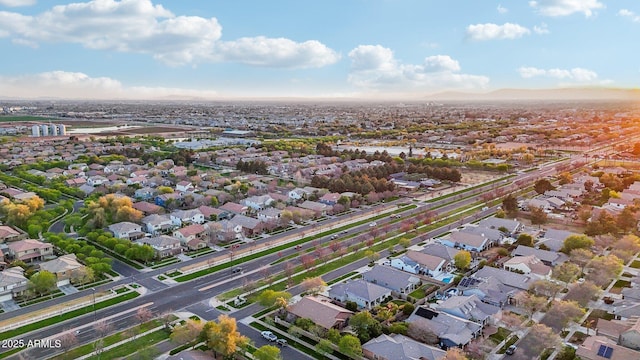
330, 48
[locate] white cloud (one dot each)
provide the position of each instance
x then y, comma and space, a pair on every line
139, 26
491, 31
629, 14
374, 67
76, 85
566, 7
541, 30
502, 10
280, 52
575, 74
17, 3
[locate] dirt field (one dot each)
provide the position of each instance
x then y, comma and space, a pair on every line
473, 177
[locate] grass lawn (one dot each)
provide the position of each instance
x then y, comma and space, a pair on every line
418, 293
635, 264
595, 315
129, 348
499, 336
622, 284
68, 315
106, 341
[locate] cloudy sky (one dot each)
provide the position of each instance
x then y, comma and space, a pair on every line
328, 48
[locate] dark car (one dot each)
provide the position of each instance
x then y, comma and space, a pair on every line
511, 350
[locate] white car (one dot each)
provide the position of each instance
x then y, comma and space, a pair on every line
373, 224
268, 335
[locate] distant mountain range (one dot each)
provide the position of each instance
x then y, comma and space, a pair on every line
541, 94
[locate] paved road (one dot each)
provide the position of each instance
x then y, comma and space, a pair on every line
58, 226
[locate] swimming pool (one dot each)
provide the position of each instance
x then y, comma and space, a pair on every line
447, 280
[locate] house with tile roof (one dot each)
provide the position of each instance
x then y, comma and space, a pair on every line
29, 250
528, 265
452, 331
64, 268
163, 245
400, 347
193, 236
365, 294
12, 283
470, 308
126, 230
321, 311
399, 281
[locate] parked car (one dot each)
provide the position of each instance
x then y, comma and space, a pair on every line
511, 350
268, 335
281, 342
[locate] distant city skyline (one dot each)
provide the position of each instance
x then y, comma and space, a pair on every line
142, 49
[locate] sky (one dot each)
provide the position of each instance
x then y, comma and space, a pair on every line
221, 49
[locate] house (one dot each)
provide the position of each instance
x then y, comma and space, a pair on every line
452, 331
182, 217
7, 233
321, 311
554, 238
163, 245
612, 328
12, 283
602, 348
29, 250
157, 224
270, 215
192, 236
365, 294
319, 209
227, 230
250, 226
235, 208
509, 278
211, 213
400, 347
630, 338
395, 280
417, 262
297, 194
511, 226
489, 289
147, 207
550, 258
470, 308
528, 265
126, 230
494, 236
145, 193
64, 268
466, 241
329, 198
165, 199
96, 180
445, 252
185, 186
257, 203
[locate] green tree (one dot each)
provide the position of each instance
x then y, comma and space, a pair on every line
462, 259
538, 216
324, 347
566, 272
365, 326
543, 185
42, 282
525, 239
510, 204
576, 242
223, 336
267, 352
350, 346
269, 297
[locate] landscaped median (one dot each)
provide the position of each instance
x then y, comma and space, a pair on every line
272, 250
68, 315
